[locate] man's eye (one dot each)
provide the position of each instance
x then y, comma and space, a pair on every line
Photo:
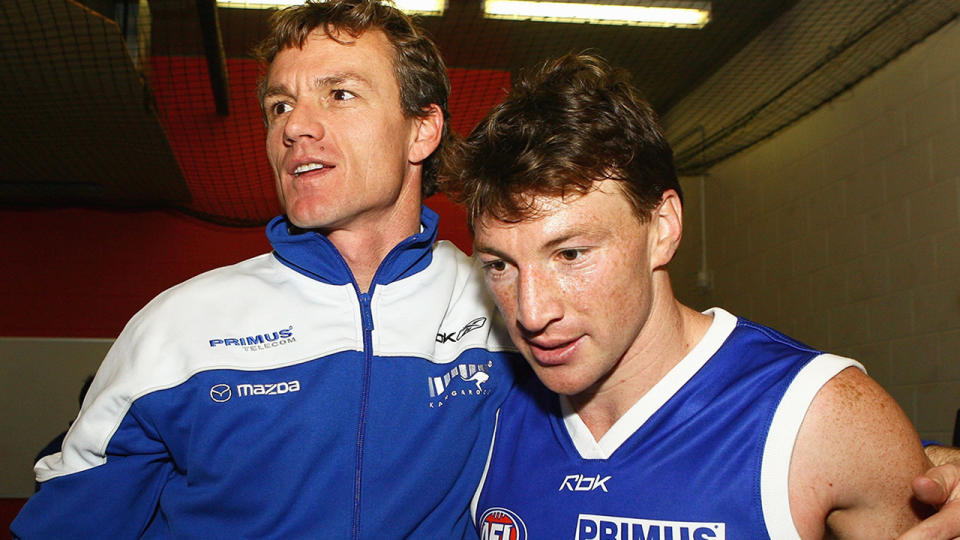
570, 254
343, 95
280, 107
495, 266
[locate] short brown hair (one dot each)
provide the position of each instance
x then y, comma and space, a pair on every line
419, 69
567, 124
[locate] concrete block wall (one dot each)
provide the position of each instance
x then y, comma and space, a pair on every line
843, 230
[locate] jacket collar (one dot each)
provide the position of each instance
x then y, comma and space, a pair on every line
313, 255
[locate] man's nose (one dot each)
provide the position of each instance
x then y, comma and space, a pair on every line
538, 301
304, 122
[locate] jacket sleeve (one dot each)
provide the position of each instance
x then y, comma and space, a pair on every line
107, 479
115, 498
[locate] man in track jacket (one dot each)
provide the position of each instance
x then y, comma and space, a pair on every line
342, 386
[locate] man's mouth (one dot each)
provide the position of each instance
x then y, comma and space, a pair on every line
307, 167
554, 351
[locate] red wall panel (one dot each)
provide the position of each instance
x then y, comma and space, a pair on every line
84, 273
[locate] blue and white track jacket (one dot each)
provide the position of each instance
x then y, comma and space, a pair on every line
272, 399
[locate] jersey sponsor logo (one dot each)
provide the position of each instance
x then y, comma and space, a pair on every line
448, 337
259, 342
593, 527
270, 389
579, 482
502, 524
462, 380
221, 393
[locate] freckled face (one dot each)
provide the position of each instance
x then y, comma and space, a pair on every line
337, 139
574, 284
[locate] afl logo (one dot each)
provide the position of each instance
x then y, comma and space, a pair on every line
502, 524
220, 393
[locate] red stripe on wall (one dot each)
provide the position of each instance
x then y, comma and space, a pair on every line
84, 273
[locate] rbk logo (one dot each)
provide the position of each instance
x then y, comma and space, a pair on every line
457, 336
579, 482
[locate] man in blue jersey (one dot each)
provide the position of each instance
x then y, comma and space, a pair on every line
647, 419
304, 393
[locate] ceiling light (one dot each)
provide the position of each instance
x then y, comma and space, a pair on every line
636, 13
410, 7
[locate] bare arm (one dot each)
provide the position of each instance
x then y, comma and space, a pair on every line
853, 461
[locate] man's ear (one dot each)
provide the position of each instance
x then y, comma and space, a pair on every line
667, 228
429, 131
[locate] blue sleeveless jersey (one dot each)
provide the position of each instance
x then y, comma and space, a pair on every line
704, 455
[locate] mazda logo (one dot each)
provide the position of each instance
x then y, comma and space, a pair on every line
220, 393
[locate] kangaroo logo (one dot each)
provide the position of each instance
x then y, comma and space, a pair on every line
474, 373
478, 379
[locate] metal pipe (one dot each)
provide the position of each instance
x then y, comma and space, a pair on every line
216, 58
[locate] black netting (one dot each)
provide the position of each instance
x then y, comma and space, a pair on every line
111, 102
806, 58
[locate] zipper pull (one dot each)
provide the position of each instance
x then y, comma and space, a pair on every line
365, 313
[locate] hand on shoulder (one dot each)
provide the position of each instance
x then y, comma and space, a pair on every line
940, 488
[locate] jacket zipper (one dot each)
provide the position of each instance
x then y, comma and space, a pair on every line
366, 317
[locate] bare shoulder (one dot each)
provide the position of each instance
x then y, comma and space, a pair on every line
853, 461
